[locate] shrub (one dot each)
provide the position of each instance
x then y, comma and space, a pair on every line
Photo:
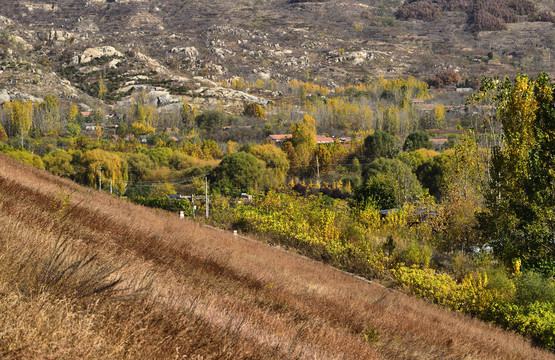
254, 110
415, 254
423, 10
532, 286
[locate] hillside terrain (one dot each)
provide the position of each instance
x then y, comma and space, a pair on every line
86, 275
371, 136
186, 48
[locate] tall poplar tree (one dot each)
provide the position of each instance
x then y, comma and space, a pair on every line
520, 219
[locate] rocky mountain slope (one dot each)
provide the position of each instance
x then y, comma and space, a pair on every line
184, 48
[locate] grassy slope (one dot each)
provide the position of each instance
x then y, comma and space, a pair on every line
189, 291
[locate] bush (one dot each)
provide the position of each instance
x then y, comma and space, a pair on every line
254, 110
532, 286
165, 203
415, 254
422, 10
210, 120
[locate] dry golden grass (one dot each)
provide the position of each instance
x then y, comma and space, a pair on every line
86, 275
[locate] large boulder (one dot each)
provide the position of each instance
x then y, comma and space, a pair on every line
94, 53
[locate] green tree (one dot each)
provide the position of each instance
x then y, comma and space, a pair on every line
417, 140
210, 120
236, 173
377, 192
73, 129
139, 165
24, 156
276, 164
431, 174
406, 185
380, 144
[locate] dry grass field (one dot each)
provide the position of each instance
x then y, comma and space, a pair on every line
85, 275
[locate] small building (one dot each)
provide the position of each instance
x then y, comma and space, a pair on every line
321, 139
439, 143
178, 197
278, 139
91, 126
246, 197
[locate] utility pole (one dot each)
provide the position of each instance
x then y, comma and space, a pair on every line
206, 194
317, 172
100, 178
193, 201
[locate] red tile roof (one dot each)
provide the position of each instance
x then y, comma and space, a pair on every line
438, 141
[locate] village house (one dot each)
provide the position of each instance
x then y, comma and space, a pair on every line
278, 139
439, 143
91, 126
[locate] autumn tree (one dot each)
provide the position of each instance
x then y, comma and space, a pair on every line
109, 165
143, 117
73, 113
304, 138
59, 162
188, 114
101, 87
464, 175
47, 116
3, 135
519, 221
289, 150
21, 117
254, 110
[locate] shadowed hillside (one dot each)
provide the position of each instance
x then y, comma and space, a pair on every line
86, 275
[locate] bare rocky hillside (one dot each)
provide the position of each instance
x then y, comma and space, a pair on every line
185, 48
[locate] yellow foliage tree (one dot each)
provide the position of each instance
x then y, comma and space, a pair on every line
73, 112
21, 117
304, 138
439, 113
101, 87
